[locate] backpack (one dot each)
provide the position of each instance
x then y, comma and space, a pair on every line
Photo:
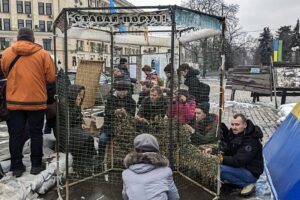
3, 108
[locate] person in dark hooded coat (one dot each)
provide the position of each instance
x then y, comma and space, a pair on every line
241, 155
204, 126
119, 104
81, 143
197, 89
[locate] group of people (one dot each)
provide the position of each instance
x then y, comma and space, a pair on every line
155, 103
147, 173
240, 152
28, 69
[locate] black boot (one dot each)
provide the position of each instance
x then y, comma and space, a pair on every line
37, 169
17, 172
101, 151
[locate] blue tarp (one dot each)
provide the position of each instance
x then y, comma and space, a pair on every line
282, 158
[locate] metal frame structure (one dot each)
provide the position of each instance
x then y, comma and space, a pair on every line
63, 22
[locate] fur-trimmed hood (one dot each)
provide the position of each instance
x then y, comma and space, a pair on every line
144, 162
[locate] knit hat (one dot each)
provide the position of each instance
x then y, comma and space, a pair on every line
183, 67
25, 34
168, 68
123, 60
146, 142
204, 106
122, 85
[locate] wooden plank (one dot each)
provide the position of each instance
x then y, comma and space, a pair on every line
245, 77
252, 83
251, 89
88, 75
252, 86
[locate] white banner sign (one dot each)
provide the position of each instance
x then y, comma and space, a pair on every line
94, 20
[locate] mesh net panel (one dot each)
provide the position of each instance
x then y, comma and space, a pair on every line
98, 130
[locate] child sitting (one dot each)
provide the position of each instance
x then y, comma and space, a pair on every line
182, 107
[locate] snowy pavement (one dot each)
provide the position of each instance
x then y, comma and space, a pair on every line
262, 113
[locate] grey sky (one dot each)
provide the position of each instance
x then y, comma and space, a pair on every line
254, 15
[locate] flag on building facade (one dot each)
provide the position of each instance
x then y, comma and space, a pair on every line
112, 6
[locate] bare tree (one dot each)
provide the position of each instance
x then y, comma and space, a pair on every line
236, 40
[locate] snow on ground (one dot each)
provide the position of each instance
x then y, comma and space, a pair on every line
284, 110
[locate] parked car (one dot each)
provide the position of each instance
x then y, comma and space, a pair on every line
104, 85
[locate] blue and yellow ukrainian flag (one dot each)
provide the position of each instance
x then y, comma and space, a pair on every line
282, 158
277, 50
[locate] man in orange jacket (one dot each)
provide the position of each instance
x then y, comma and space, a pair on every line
26, 97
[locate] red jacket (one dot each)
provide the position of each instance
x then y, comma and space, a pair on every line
26, 82
184, 112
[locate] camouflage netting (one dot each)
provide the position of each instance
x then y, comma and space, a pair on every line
188, 159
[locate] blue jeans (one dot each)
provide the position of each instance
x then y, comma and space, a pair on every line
237, 176
103, 139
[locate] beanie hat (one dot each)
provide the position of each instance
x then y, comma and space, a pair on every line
204, 106
168, 68
146, 142
25, 34
123, 60
122, 85
183, 67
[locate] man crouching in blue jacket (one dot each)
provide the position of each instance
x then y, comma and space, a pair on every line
147, 176
241, 155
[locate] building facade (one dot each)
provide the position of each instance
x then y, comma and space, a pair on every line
39, 16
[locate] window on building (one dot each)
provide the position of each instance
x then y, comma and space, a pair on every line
0, 24
19, 7
93, 47
49, 26
79, 45
4, 43
29, 24
42, 26
105, 48
27, 7
41, 8
5, 6
20, 23
47, 44
99, 48
48, 8
6, 23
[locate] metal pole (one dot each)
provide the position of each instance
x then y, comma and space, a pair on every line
111, 56
67, 123
221, 99
274, 83
171, 145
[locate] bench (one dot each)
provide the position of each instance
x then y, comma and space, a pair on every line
280, 91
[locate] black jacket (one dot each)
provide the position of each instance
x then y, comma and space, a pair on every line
114, 102
126, 74
244, 149
150, 111
196, 88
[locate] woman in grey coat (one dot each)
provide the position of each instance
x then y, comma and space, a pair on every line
147, 176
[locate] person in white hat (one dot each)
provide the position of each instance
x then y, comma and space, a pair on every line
148, 175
